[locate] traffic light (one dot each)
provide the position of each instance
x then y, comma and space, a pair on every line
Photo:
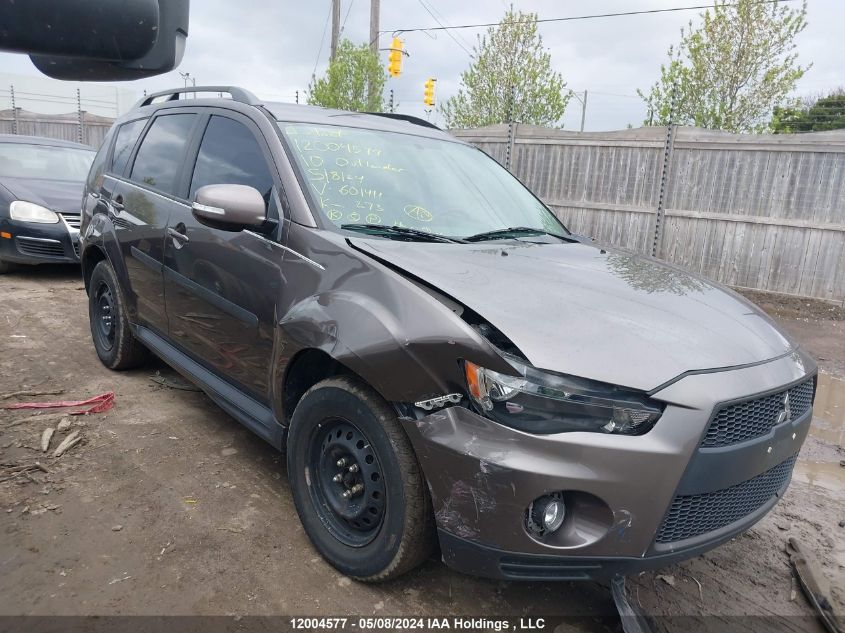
394, 67
428, 93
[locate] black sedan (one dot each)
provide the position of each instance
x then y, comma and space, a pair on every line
41, 183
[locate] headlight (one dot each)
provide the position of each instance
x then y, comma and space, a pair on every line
31, 212
541, 402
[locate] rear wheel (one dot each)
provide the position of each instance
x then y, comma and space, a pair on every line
116, 346
356, 482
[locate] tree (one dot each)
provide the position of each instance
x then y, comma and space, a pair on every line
733, 70
510, 75
816, 114
354, 81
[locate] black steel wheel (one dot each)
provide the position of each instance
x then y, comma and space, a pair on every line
348, 490
113, 339
356, 483
102, 322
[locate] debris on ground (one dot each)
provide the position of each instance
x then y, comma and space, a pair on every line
46, 436
13, 471
633, 620
116, 528
15, 394
69, 442
815, 585
101, 404
669, 580
64, 425
176, 382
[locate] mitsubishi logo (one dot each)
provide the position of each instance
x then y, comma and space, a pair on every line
786, 414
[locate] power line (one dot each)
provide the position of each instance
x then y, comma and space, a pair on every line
429, 10
322, 41
348, 9
578, 17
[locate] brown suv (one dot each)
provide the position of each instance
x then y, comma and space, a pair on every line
440, 358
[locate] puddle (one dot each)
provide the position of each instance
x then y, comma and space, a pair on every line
829, 426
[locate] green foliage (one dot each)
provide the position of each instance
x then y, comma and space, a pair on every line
510, 72
732, 71
814, 115
353, 81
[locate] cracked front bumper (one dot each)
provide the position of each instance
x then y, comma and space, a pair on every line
620, 490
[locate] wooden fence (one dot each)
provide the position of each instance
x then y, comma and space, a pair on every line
753, 211
81, 127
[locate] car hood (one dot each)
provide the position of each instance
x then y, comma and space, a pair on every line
607, 315
59, 195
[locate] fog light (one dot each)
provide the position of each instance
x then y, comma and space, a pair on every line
546, 514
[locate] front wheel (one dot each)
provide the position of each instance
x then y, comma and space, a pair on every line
356, 483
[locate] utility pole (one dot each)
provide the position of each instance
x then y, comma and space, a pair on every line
335, 27
583, 110
374, 22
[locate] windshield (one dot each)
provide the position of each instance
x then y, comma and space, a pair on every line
359, 176
19, 160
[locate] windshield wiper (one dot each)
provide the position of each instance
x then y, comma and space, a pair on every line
514, 231
404, 231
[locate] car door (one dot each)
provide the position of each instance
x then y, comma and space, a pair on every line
221, 286
141, 204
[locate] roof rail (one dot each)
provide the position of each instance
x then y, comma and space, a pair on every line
405, 117
237, 94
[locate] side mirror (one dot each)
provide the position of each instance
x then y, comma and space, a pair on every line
230, 207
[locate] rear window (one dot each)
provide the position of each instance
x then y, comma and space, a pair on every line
162, 152
127, 136
45, 162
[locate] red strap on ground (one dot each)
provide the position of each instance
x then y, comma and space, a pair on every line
102, 403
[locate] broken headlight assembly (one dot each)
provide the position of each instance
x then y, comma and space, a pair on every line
542, 402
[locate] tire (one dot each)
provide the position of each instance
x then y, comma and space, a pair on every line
116, 346
342, 418
6, 267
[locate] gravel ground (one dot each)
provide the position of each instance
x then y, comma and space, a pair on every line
168, 506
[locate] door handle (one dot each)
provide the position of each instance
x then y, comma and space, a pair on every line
178, 236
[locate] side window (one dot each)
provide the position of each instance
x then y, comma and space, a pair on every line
127, 135
162, 152
229, 154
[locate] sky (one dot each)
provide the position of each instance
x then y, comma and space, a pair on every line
273, 47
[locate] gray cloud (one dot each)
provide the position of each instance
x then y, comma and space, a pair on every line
272, 48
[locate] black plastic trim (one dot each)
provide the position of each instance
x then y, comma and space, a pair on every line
146, 260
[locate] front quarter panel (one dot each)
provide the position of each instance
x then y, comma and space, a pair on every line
395, 335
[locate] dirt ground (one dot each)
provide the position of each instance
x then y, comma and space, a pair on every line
168, 506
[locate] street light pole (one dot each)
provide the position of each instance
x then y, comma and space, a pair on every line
583, 101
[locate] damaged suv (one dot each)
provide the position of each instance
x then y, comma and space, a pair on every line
441, 360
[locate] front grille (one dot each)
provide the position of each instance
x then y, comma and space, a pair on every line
742, 421
693, 515
40, 247
76, 249
74, 221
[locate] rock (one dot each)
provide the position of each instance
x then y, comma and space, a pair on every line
842, 523
64, 425
116, 528
782, 526
669, 580
46, 436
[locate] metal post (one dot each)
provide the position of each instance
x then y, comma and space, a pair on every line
335, 27
297, 96
14, 110
79, 114
511, 131
668, 148
391, 100
583, 110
